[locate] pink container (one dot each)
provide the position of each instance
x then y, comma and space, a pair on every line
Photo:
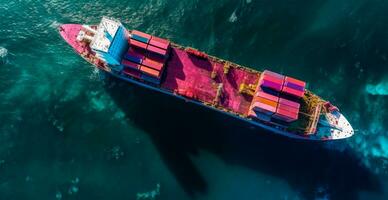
289, 103
292, 92
285, 115
267, 96
157, 50
159, 42
288, 108
273, 79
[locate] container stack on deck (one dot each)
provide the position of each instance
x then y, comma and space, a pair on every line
277, 97
146, 57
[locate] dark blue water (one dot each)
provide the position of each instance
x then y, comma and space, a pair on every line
67, 132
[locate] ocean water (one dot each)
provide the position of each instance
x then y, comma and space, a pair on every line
69, 132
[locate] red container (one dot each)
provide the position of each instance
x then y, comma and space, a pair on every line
288, 108
138, 44
141, 34
153, 64
132, 73
150, 71
159, 42
267, 96
285, 115
157, 50
289, 103
293, 92
130, 64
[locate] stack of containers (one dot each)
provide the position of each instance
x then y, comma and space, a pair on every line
268, 100
146, 54
272, 81
150, 43
264, 105
287, 110
294, 87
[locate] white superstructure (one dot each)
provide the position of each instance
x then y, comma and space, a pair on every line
110, 41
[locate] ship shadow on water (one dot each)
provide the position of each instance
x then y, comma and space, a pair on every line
179, 130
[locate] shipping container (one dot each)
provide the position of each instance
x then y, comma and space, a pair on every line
273, 79
140, 39
265, 101
285, 115
288, 108
294, 86
272, 85
263, 94
153, 64
295, 81
136, 58
156, 50
289, 103
292, 92
150, 71
141, 34
273, 74
130, 64
135, 43
159, 42
264, 108
156, 57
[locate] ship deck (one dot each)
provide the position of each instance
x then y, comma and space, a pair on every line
204, 80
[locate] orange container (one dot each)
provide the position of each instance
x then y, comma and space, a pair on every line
150, 71
266, 101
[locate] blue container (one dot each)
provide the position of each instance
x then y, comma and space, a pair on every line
294, 86
133, 59
140, 39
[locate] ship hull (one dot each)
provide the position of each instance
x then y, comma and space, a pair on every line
69, 33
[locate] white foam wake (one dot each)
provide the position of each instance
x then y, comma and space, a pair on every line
379, 89
3, 55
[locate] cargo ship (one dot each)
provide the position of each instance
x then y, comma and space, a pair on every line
278, 103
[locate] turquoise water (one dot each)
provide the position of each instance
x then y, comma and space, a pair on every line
67, 132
